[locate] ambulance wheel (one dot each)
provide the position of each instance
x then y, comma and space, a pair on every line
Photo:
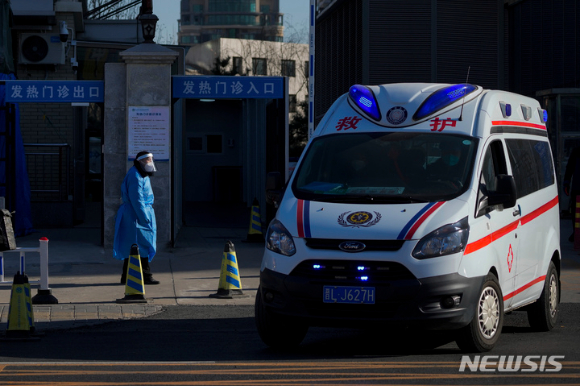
275, 330
543, 314
483, 331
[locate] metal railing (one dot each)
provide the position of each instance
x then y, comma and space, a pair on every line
49, 169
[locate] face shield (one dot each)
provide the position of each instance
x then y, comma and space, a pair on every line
146, 161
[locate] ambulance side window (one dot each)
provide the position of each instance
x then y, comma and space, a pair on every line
493, 164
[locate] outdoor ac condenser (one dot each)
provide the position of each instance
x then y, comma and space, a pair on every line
41, 49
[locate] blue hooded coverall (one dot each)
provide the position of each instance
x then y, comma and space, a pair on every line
135, 223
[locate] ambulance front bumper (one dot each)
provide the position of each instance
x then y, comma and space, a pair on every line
440, 302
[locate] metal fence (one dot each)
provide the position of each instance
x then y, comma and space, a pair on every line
49, 171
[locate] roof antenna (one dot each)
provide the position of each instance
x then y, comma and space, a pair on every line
463, 102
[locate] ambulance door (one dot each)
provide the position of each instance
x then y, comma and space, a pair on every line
532, 168
503, 222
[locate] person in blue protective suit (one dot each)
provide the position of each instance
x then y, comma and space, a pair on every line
135, 222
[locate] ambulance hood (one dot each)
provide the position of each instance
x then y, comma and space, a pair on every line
325, 220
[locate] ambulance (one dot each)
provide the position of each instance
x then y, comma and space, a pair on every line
431, 206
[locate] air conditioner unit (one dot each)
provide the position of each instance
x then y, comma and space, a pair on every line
41, 49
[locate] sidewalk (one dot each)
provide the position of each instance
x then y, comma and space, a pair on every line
84, 277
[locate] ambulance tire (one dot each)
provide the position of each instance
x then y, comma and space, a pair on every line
278, 331
481, 334
543, 314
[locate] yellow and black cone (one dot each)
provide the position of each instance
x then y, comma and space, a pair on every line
20, 319
230, 284
134, 286
255, 229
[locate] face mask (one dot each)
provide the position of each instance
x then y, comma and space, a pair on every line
450, 159
149, 168
358, 164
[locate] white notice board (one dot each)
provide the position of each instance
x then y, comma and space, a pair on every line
149, 130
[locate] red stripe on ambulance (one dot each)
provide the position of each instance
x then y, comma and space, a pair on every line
485, 241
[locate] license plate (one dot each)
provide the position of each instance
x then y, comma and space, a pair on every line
350, 295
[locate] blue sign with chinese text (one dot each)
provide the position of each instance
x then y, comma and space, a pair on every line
237, 87
44, 91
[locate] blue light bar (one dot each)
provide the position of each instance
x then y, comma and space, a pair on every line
363, 278
316, 266
442, 98
545, 116
365, 100
360, 268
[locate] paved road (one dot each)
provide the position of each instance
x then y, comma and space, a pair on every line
219, 344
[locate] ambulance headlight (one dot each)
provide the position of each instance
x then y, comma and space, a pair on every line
279, 240
447, 240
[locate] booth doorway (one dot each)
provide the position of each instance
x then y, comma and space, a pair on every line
213, 164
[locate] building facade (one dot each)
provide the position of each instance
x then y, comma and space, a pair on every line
524, 46
205, 20
255, 58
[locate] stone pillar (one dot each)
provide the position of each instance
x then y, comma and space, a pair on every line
143, 80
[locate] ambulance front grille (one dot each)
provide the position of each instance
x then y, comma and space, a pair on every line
346, 272
371, 245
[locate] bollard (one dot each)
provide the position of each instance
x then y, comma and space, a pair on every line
44, 294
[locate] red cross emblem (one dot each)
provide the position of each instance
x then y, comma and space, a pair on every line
510, 258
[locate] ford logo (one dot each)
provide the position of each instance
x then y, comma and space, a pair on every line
352, 246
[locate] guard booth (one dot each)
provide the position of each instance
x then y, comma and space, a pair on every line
563, 106
48, 165
235, 131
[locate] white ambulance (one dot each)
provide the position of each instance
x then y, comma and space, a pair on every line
416, 205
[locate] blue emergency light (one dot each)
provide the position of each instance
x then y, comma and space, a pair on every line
545, 115
365, 100
442, 98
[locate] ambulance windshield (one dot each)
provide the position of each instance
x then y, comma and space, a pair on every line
386, 167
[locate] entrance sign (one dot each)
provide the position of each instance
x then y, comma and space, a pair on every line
149, 130
235, 87
86, 91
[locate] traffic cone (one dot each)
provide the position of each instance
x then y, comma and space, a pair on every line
134, 287
255, 230
230, 285
29, 309
20, 324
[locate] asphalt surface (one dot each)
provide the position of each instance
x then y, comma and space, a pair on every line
85, 279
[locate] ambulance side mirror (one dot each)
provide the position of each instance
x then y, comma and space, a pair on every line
505, 194
274, 188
